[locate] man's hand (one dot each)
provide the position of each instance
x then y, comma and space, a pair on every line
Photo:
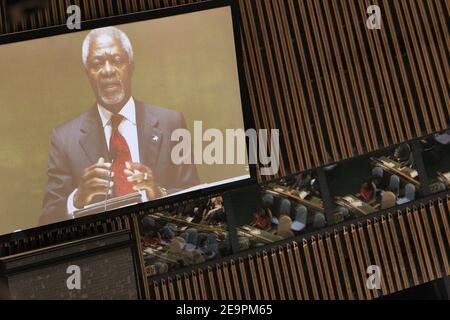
93, 182
143, 178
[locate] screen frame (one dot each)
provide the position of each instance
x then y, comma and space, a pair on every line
139, 17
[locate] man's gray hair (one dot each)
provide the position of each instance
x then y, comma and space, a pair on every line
110, 31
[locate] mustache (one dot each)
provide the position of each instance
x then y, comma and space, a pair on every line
111, 81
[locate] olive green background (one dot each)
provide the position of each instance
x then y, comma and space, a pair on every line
186, 63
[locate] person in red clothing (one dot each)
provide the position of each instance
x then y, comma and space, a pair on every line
263, 219
369, 188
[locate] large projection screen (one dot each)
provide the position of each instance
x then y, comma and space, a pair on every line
57, 124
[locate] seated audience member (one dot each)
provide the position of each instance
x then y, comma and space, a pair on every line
263, 219
315, 188
368, 189
298, 182
403, 155
379, 182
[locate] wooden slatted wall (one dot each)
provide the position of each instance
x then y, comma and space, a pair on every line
411, 247
24, 241
336, 89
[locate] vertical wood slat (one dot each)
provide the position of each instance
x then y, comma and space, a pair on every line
285, 273
212, 284
440, 239
293, 268
351, 255
262, 276
40, 18
278, 275
310, 268
157, 294
398, 251
180, 287
422, 241
430, 241
392, 256
268, 275
334, 267
202, 285
101, 8
128, 5
110, 8
343, 266
359, 256
226, 276
244, 279
301, 271
254, 278
86, 9
195, 286
326, 268
235, 277
366, 252
319, 269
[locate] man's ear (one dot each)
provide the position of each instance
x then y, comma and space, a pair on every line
86, 72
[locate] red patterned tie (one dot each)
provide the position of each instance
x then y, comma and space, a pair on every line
119, 147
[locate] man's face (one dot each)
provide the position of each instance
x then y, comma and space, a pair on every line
109, 71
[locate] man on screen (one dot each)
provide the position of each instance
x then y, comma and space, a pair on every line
119, 146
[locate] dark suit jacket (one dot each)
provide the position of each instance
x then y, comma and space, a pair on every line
81, 142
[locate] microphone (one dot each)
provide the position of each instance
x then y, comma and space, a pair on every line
112, 156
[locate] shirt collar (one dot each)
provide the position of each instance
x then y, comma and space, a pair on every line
128, 112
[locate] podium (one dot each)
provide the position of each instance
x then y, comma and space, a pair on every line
112, 204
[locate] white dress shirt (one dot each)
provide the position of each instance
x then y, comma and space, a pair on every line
127, 128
